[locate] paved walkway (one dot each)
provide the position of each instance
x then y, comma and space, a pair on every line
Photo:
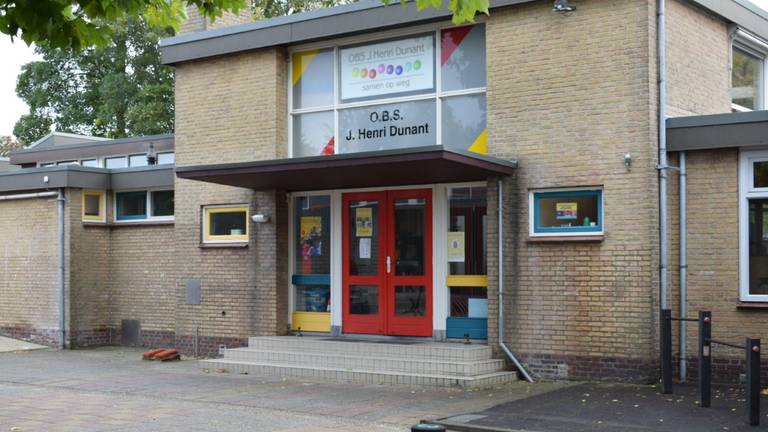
9, 345
614, 408
111, 389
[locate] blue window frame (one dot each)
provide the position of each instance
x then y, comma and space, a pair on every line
130, 205
570, 211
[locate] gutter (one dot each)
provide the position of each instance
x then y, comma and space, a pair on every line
500, 230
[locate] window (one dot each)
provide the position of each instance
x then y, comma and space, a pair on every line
130, 205
391, 93
748, 72
137, 160
67, 162
144, 206
92, 163
566, 212
47, 164
116, 162
753, 226
467, 231
225, 224
166, 158
162, 203
312, 253
94, 206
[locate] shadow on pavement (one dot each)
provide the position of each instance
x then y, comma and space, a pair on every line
614, 407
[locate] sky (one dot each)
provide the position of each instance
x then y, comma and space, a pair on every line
14, 54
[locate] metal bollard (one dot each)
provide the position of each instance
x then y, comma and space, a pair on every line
753, 380
705, 358
423, 426
666, 350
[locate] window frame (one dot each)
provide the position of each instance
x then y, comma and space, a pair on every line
124, 157
102, 216
137, 155
757, 47
208, 238
438, 95
148, 206
83, 161
747, 191
534, 197
157, 160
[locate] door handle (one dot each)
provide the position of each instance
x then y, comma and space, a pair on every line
389, 264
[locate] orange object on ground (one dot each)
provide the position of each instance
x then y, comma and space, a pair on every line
151, 353
166, 354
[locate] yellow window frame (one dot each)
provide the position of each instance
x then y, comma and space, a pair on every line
208, 211
102, 216
480, 281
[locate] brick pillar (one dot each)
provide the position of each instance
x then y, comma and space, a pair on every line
270, 308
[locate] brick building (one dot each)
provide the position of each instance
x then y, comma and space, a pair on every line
339, 172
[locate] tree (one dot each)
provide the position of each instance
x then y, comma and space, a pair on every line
7, 144
79, 24
114, 90
82, 23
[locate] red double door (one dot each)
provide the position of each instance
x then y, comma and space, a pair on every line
387, 262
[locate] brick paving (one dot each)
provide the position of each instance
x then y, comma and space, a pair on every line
111, 389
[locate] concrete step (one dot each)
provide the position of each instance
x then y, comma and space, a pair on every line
415, 365
395, 349
359, 375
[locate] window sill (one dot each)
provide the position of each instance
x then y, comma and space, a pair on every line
95, 223
239, 245
567, 239
141, 223
747, 305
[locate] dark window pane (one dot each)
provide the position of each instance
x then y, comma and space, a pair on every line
92, 205
761, 174
460, 299
364, 238
312, 226
468, 225
409, 236
313, 298
131, 205
569, 211
758, 246
410, 300
363, 299
162, 203
228, 223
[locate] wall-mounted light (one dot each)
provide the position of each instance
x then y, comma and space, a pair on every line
628, 161
260, 218
46, 180
563, 6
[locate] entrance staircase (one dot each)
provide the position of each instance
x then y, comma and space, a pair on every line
366, 361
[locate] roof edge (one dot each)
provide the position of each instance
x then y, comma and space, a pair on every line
717, 119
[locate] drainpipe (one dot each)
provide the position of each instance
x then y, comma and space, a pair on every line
500, 230
62, 319
683, 265
662, 167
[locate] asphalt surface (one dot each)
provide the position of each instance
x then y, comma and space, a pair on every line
617, 407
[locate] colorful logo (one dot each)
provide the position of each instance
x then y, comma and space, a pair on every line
388, 69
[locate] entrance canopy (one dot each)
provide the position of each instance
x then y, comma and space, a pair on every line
421, 165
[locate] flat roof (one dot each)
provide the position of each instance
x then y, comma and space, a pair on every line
731, 130
412, 166
369, 16
64, 176
110, 147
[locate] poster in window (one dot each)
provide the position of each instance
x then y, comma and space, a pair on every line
365, 248
456, 246
311, 236
566, 211
364, 222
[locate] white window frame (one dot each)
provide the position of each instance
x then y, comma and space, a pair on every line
148, 206
438, 95
757, 47
532, 218
157, 160
747, 191
134, 155
104, 161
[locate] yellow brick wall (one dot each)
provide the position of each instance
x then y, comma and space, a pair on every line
568, 96
228, 110
28, 268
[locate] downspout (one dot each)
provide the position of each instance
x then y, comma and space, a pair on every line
61, 300
662, 167
500, 230
683, 265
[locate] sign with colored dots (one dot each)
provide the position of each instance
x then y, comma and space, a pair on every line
387, 69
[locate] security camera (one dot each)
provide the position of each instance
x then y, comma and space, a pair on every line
260, 218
